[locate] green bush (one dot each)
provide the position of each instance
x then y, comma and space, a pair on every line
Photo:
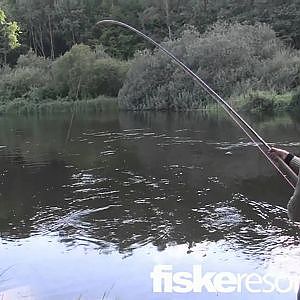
107, 77
280, 72
80, 74
262, 101
295, 102
231, 58
258, 103
71, 72
31, 72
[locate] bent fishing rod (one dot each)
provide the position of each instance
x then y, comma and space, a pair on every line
287, 173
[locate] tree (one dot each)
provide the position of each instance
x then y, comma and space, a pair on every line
9, 33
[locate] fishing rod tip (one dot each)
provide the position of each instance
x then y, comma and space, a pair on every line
106, 21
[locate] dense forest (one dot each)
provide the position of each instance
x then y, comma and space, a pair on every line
53, 50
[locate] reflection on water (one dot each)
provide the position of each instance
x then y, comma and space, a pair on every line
127, 191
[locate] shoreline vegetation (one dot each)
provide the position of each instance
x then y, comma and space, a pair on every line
23, 107
248, 64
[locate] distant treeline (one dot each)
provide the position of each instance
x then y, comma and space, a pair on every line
64, 57
52, 27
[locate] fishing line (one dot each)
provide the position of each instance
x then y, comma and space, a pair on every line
290, 176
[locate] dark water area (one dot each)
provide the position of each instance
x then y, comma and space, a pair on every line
87, 211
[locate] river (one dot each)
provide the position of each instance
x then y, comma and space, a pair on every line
91, 207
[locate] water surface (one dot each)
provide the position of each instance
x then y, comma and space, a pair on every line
88, 210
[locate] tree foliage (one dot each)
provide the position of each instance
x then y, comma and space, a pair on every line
52, 27
9, 33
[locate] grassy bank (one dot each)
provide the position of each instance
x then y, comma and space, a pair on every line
267, 102
252, 102
21, 106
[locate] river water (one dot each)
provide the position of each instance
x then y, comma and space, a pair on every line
90, 207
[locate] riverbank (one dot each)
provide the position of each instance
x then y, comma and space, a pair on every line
251, 79
267, 102
255, 103
23, 107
